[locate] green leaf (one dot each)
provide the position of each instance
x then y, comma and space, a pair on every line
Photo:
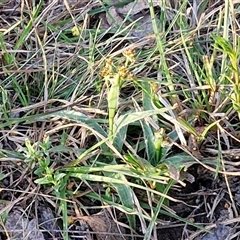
44, 180
125, 194
59, 176
110, 180
129, 118
81, 118
64, 208
180, 160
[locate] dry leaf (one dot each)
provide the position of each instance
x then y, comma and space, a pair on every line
137, 6
221, 232
21, 228
143, 26
173, 172
104, 227
48, 221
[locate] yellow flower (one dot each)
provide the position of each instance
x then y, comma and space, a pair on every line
76, 30
105, 72
131, 76
108, 69
130, 55
122, 71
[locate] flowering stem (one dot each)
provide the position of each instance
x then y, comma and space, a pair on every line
113, 96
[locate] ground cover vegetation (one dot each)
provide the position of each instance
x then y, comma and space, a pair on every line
119, 119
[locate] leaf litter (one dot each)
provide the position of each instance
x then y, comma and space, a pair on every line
104, 226
19, 227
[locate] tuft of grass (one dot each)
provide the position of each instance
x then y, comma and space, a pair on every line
93, 112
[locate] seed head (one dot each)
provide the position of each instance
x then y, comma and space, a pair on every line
122, 71
130, 55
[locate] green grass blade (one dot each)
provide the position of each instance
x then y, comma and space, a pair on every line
29, 26
64, 208
125, 194
110, 180
81, 118
130, 118
148, 234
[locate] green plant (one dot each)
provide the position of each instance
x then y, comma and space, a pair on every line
38, 156
114, 77
231, 69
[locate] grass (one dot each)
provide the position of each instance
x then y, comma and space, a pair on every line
92, 112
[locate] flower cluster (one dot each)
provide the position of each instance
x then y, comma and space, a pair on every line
122, 70
76, 30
